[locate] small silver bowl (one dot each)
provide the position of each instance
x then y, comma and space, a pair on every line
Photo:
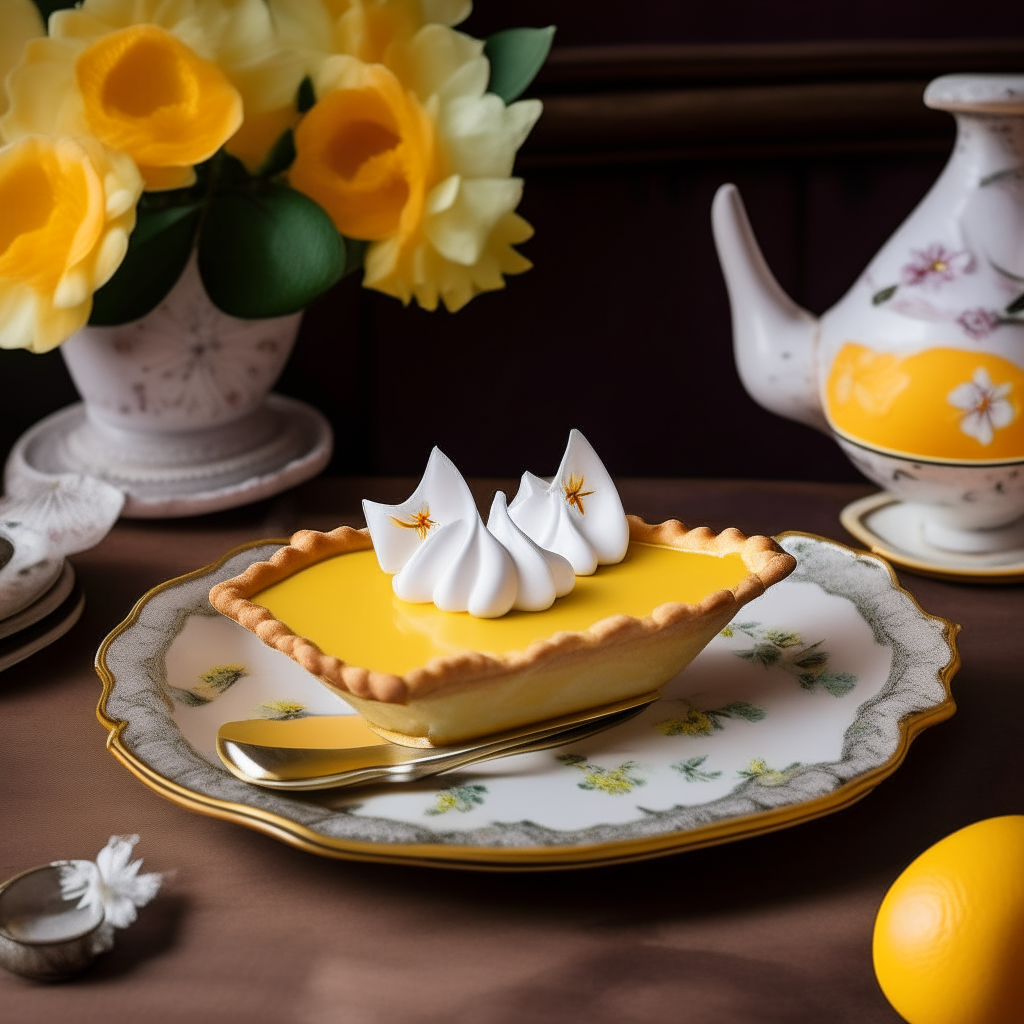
42, 935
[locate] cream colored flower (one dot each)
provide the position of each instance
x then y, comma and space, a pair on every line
19, 22
112, 883
416, 157
359, 28
168, 81
68, 208
987, 406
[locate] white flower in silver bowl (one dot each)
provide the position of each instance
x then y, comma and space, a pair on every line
113, 882
986, 405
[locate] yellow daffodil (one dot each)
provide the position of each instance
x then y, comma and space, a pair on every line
68, 208
416, 157
167, 81
146, 94
359, 28
19, 22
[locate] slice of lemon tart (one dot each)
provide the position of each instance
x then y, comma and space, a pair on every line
425, 676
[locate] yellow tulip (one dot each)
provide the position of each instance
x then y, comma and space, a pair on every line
416, 157
364, 153
146, 94
163, 52
69, 207
19, 22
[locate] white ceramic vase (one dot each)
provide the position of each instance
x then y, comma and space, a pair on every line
177, 410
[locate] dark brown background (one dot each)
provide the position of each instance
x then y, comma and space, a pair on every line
622, 328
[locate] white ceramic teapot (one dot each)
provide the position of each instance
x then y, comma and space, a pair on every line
918, 371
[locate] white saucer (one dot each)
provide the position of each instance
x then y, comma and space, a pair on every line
895, 530
293, 442
43, 606
42, 633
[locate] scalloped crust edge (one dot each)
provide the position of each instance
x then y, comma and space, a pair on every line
767, 562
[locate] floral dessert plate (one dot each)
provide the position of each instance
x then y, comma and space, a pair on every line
803, 704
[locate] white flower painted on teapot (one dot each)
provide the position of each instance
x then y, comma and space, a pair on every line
986, 404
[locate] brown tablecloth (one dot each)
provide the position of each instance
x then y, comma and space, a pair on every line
249, 930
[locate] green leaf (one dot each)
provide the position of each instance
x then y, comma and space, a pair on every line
884, 295
837, 683
781, 638
306, 98
1017, 305
280, 157
47, 7
355, 253
516, 55
268, 253
764, 655
158, 250
744, 709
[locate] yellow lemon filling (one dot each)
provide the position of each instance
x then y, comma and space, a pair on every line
346, 606
942, 403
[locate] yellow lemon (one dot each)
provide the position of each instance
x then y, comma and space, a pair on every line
949, 936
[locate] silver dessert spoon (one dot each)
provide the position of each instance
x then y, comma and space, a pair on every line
330, 751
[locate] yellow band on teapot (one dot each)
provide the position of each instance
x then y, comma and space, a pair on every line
942, 403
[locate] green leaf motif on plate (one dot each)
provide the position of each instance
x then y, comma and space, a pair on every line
212, 683
759, 771
691, 770
268, 251
516, 55
884, 295
614, 781
280, 710
458, 798
704, 722
809, 663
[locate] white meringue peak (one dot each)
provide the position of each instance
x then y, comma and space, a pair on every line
461, 568
441, 497
578, 515
541, 575
436, 546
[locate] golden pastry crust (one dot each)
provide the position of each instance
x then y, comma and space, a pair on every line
766, 561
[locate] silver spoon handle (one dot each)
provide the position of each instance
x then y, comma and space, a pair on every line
448, 761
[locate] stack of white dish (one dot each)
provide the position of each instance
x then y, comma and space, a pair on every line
48, 615
40, 524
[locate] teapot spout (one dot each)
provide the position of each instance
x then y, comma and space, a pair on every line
774, 339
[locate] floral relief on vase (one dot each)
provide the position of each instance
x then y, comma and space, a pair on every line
184, 363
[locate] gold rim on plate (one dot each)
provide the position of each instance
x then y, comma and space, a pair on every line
520, 858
